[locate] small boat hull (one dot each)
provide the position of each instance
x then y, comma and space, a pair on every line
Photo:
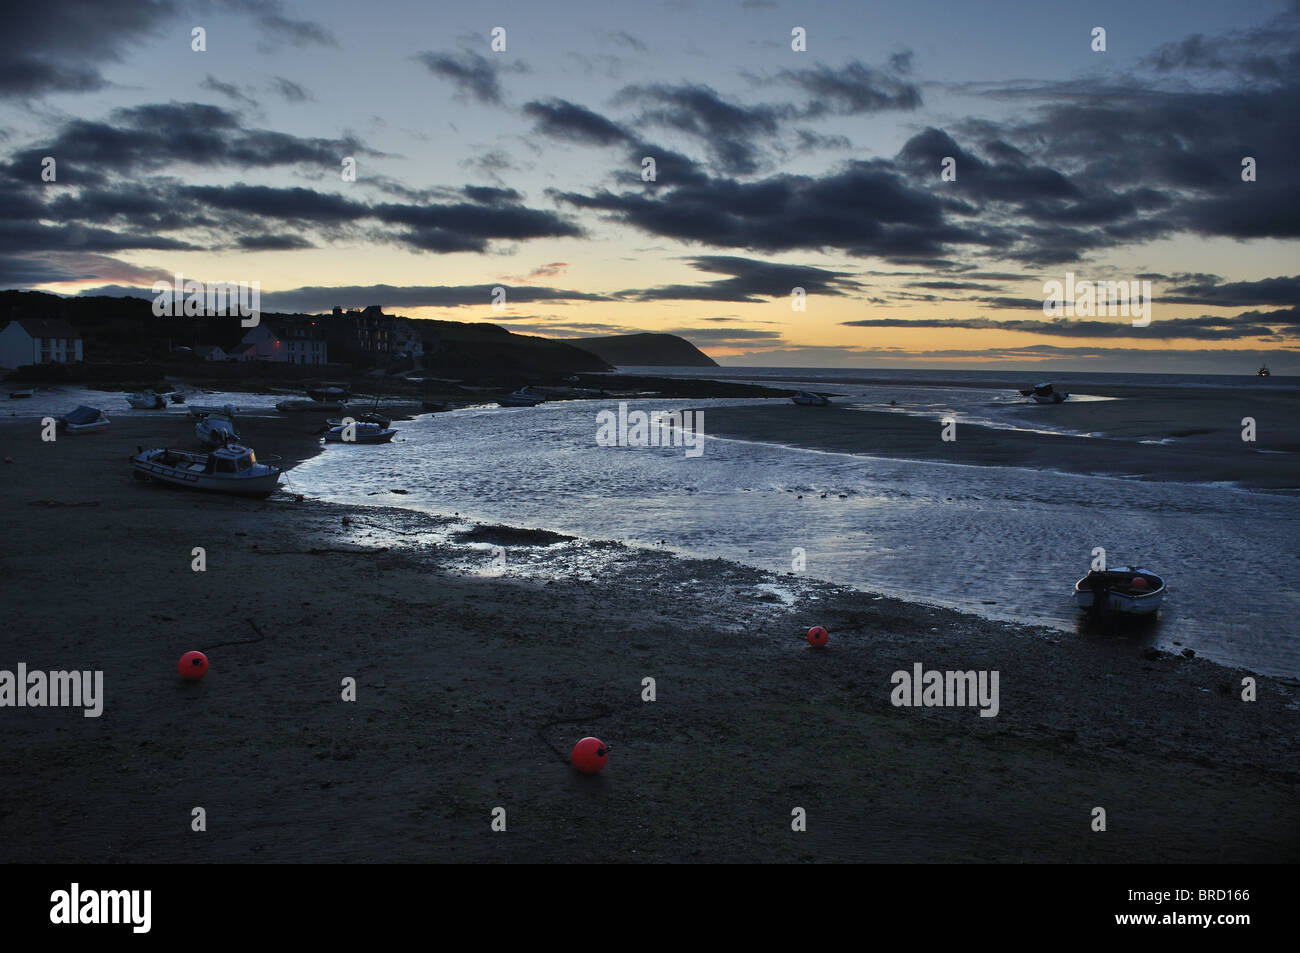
363, 433
1120, 597
146, 401
21, 394
84, 420
196, 471
215, 430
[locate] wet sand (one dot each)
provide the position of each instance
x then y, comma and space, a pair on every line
1201, 430
467, 683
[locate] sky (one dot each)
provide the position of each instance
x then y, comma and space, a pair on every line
775, 168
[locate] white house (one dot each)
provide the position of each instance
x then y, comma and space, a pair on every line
39, 341
290, 344
212, 352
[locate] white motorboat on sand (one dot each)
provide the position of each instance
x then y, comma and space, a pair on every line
359, 433
216, 430
146, 400
229, 469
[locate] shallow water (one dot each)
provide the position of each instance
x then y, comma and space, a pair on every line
940, 533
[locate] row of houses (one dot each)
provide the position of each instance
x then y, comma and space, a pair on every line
352, 335
39, 341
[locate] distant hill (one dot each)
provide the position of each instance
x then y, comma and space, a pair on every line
470, 349
650, 350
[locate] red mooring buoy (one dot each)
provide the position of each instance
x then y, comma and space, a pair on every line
589, 755
193, 665
817, 636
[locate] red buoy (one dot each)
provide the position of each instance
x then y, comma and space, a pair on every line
1138, 582
193, 665
589, 755
818, 636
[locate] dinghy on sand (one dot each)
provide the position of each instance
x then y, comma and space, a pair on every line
83, 420
1126, 590
146, 400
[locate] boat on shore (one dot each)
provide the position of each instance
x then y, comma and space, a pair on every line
229, 469
524, 397
1126, 590
146, 400
20, 394
808, 399
361, 433
1044, 394
216, 430
84, 420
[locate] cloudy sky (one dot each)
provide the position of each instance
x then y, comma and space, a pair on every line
775, 168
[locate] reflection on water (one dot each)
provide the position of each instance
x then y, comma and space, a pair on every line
1003, 542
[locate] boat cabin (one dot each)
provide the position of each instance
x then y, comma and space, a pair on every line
230, 459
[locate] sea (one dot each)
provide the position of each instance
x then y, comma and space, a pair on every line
1001, 542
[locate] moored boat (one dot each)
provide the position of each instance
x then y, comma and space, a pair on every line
1127, 590
84, 420
361, 433
229, 469
19, 394
1262, 372
216, 430
808, 399
146, 400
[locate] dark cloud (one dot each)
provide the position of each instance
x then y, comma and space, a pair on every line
951, 285
60, 45
561, 119
390, 297
854, 89
273, 242
865, 208
1206, 327
229, 90
148, 137
421, 296
727, 129
290, 90
623, 38
473, 74
296, 32
1212, 290
750, 281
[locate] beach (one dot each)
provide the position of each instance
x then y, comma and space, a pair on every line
472, 686
1152, 434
